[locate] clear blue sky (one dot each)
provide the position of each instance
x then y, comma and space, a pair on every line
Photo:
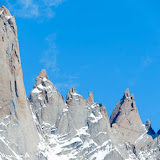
100, 46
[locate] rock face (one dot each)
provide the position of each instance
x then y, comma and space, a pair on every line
46, 127
17, 129
127, 118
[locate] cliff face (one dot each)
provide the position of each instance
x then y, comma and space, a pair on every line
17, 129
46, 127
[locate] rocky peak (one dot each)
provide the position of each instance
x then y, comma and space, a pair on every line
71, 93
148, 124
42, 74
127, 118
72, 90
8, 18
126, 93
90, 98
124, 107
149, 128
73, 97
13, 102
48, 102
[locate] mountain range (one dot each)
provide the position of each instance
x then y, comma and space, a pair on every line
47, 127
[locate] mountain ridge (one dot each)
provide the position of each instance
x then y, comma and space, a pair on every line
46, 127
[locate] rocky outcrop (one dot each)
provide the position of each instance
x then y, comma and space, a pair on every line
131, 137
149, 129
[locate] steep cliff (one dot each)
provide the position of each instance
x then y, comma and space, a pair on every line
17, 129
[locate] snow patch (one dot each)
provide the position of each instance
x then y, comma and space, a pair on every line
17, 156
1, 12
94, 118
35, 90
102, 151
75, 94
8, 17
142, 137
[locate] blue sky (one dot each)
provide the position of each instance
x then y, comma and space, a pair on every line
100, 46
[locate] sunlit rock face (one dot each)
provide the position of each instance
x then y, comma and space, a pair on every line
18, 134
126, 117
46, 127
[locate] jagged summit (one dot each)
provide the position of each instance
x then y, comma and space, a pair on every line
148, 124
42, 74
126, 93
72, 90
127, 118
150, 129
4, 11
125, 106
90, 98
6, 16
73, 97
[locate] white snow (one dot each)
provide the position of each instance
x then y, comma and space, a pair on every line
93, 105
8, 17
102, 151
144, 135
65, 110
101, 133
35, 90
75, 94
40, 86
44, 79
1, 12
82, 131
17, 156
71, 141
94, 118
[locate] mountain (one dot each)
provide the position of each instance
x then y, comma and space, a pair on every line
46, 127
